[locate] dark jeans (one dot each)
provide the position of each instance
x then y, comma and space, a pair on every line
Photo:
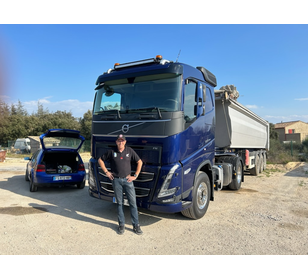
121, 185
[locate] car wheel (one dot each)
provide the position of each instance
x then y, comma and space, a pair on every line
81, 185
26, 176
33, 187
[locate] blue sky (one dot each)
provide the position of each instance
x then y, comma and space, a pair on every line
58, 65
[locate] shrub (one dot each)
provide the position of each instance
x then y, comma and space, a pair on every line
281, 153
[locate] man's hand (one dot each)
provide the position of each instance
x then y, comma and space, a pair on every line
130, 178
109, 175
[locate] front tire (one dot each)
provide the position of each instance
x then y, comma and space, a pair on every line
201, 197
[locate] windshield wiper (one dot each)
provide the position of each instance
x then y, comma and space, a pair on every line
149, 115
110, 114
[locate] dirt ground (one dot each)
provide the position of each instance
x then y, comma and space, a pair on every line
267, 216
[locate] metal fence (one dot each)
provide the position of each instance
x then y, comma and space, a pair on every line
7, 145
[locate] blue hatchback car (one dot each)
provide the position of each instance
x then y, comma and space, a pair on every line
58, 162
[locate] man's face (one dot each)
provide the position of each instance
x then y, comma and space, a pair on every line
120, 143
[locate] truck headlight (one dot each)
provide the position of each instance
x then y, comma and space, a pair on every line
164, 191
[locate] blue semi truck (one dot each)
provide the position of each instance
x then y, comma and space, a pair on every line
191, 138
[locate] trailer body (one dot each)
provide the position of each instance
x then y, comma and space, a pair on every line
240, 134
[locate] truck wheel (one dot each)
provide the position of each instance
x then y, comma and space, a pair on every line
237, 180
261, 163
201, 198
264, 161
255, 170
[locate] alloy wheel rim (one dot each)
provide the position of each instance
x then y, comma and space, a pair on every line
202, 195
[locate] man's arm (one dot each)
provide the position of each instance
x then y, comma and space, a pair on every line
138, 169
105, 170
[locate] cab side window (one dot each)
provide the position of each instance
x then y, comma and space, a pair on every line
209, 101
189, 102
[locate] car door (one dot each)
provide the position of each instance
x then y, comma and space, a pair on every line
32, 163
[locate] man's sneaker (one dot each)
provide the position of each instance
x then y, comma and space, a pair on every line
137, 230
121, 229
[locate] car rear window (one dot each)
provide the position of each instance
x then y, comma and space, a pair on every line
61, 142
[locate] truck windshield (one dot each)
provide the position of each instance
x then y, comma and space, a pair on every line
161, 91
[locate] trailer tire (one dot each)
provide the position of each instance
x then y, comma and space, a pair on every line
264, 160
255, 170
201, 197
261, 163
237, 180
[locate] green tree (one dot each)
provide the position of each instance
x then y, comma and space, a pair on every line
86, 125
43, 120
305, 148
273, 133
41, 111
63, 119
15, 122
20, 110
4, 121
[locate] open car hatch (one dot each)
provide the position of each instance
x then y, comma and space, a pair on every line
62, 139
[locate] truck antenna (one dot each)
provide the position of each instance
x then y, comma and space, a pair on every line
178, 56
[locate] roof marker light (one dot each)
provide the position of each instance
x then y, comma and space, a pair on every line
158, 60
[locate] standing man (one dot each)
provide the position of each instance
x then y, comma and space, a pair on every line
120, 162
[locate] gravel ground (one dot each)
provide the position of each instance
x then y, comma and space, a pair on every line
268, 216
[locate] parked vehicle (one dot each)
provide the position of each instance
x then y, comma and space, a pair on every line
23, 145
58, 163
192, 140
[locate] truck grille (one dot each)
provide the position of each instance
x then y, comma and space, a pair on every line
142, 178
140, 192
151, 155
146, 181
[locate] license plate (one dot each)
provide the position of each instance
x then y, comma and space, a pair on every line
62, 178
125, 201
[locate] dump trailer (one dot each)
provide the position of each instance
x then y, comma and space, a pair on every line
241, 139
192, 139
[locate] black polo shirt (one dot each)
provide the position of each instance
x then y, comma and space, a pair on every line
120, 162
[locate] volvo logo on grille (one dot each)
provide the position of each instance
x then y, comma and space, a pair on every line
125, 128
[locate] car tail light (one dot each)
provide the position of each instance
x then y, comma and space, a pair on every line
81, 167
40, 168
